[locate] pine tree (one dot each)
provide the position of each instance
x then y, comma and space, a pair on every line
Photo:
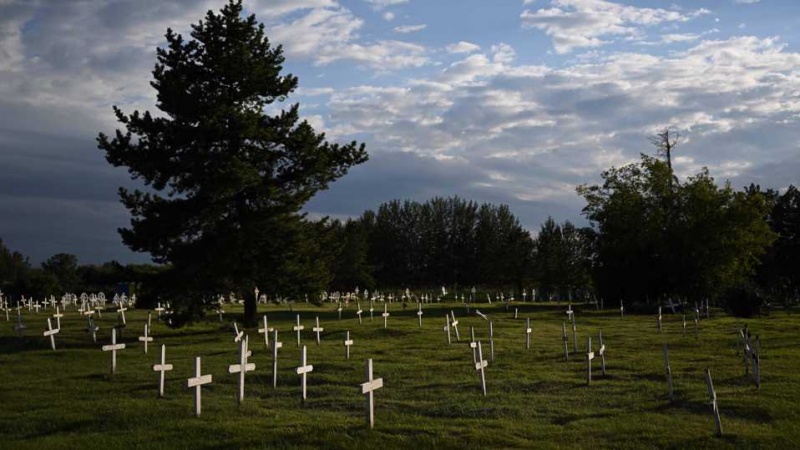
225, 180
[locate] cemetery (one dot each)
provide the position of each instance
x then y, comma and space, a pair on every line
536, 387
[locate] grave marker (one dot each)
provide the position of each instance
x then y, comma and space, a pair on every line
242, 368
340, 310
121, 312
303, 370
454, 323
419, 314
385, 315
566, 341
358, 312
589, 358
113, 349
145, 338
371, 309
447, 327
528, 334
19, 327
91, 328
317, 329
367, 389
347, 343
574, 335
197, 382
298, 328
473, 345
712, 394
237, 335
491, 341
621, 309
58, 315
601, 352
162, 368
659, 320
275, 346
668, 370
265, 331
480, 365
51, 332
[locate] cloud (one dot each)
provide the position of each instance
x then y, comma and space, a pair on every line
388, 16
410, 28
594, 23
745, 2
463, 47
381, 4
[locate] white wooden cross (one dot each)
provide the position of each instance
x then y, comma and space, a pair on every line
160, 309
528, 334
672, 306
601, 352
447, 327
589, 358
304, 369
347, 343
163, 367
419, 314
265, 331
113, 349
298, 328
317, 329
516, 313
145, 338
371, 308
621, 309
480, 365
275, 346
149, 319
574, 336
367, 389
36, 306
51, 332
712, 394
668, 370
570, 312
196, 382
242, 368
58, 315
566, 341
237, 335
385, 315
659, 319
483, 316
358, 313
19, 327
454, 323
339, 310
473, 345
121, 312
91, 328
87, 312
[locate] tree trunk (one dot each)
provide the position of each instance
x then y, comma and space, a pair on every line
250, 311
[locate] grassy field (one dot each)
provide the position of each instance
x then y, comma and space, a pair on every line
431, 395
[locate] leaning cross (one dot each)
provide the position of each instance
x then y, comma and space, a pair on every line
51, 332
601, 352
113, 349
367, 389
454, 323
196, 382
480, 364
589, 358
163, 367
237, 335
145, 338
317, 329
712, 394
298, 328
359, 313
242, 368
303, 370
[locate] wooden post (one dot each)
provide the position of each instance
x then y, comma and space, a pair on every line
454, 323
491, 342
659, 319
480, 365
447, 327
163, 367
265, 331
574, 335
566, 340
668, 370
602, 353
275, 346
712, 394
473, 345
317, 329
298, 328
528, 334
589, 358
367, 389
196, 382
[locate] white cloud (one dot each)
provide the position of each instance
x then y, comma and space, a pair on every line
410, 28
593, 23
463, 47
380, 4
388, 16
745, 2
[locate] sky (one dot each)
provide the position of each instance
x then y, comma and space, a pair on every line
501, 101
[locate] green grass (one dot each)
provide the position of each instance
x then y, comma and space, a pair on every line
431, 395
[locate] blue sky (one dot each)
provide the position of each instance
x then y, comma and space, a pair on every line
503, 101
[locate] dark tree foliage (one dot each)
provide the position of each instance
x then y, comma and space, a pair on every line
442, 241
562, 260
779, 275
656, 237
225, 180
64, 267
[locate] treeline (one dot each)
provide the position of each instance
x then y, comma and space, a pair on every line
61, 273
